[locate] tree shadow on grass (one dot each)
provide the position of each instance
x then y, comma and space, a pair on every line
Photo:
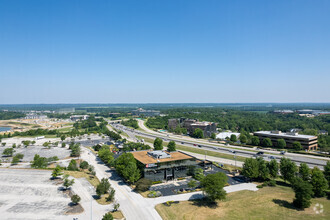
284, 203
205, 203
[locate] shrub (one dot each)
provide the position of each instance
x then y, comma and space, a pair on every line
75, 199
156, 182
154, 194
84, 165
73, 165
260, 186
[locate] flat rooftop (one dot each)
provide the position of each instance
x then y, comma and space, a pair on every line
301, 136
144, 158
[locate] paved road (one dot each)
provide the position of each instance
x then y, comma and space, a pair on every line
310, 160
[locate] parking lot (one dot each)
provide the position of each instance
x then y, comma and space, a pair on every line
29, 194
172, 187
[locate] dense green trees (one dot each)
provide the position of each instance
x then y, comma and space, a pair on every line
17, 158
75, 149
251, 168
126, 166
106, 155
10, 115
296, 145
198, 133
130, 146
267, 142
158, 144
288, 169
303, 193
304, 172
233, 138
327, 172
73, 165
213, 184
281, 143
318, 181
273, 168
171, 146
143, 184
243, 138
213, 136
39, 162
8, 152
131, 123
102, 187
255, 141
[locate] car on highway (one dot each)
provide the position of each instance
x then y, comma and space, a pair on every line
282, 152
195, 144
272, 157
260, 153
200, 146
182, 142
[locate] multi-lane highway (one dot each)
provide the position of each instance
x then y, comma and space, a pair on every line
231, 150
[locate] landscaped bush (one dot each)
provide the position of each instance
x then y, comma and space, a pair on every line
260, 186
154, 194
143, 185
156, 182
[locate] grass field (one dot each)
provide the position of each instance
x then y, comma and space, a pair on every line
267, 203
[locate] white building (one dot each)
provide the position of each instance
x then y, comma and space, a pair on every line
224, 135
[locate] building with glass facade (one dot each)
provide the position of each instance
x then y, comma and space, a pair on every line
163, 165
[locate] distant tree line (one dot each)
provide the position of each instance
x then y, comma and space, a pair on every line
11, 115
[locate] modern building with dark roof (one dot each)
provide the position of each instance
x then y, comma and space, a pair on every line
163, 165
308, 142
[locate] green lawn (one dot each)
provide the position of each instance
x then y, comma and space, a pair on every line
267, 203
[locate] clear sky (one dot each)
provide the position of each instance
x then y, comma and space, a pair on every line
156, 51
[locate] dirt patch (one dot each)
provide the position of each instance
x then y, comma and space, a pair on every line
74, 209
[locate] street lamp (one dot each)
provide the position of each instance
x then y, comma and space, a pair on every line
91, 187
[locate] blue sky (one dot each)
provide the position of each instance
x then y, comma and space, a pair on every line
156, 51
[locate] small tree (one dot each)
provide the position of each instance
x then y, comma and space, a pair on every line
73, 165
303, 193
63, 144
103, 187
17, 158
304, 172
213, 136
288, 169
3, 144
84, 165
192, 184
107, 216
68, 183
233, 138
62, 137
199, 174
213, 186
46, 144
281, 143
273, 168
243, 138
263, 169
158, 144
171, 146
111, 196
255, 141
327, 172
250, 168
319, 183
75, 199
57, 172
116, 206
8, 152
296, 145
267, 142
198, 133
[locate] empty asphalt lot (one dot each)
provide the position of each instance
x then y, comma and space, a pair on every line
29, 194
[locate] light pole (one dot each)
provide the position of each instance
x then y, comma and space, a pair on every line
91, 203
